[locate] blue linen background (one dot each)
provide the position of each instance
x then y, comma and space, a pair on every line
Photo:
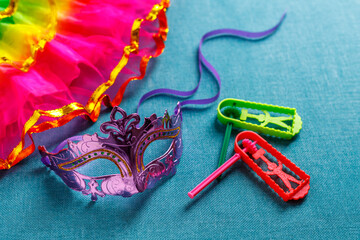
312, 63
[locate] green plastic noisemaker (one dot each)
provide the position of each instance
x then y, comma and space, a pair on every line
273, 120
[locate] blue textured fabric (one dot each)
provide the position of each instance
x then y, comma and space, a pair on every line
312, 64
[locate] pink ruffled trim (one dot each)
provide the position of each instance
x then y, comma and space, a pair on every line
89, 43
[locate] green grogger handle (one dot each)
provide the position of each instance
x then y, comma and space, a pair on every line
225, 145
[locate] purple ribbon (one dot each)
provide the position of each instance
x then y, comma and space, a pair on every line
202, 61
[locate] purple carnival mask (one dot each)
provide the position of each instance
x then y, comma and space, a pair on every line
125, 147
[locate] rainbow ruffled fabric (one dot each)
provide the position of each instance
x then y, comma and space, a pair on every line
60, 59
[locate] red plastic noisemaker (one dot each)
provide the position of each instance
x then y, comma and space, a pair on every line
283, 176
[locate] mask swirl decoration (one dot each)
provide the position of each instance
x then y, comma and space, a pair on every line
125, 147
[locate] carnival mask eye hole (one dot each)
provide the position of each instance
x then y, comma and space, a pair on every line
158, 150
98, 167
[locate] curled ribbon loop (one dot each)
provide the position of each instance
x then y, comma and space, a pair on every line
202, 61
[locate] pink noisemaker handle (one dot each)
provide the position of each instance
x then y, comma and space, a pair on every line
214, 175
